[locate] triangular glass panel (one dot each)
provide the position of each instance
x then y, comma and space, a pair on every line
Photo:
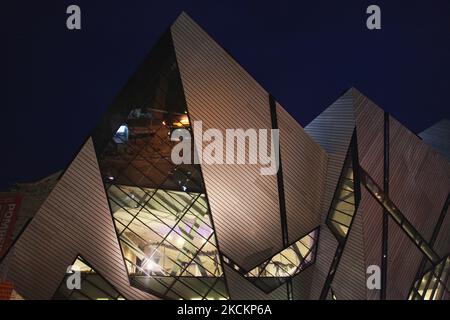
89, 286
160, 209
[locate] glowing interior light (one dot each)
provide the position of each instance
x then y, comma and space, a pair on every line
180, 241
150, 265
184, 120
121, 135
122, 129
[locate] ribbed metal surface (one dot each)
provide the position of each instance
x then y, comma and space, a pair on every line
419, 184
403, 262
442, 244
332, 130
372, 216
438, 137
304, 174
301, 284
350, 279
34, 194
370, 135
219, 92
74, 220
325, 253
419, 179
241, 289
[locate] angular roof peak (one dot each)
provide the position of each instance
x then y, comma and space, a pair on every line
438, 137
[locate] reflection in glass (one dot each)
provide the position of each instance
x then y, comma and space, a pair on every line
160, 211
159, 208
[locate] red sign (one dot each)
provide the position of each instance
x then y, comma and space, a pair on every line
6, 290
9, 207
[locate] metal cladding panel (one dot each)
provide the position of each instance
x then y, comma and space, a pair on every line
304, 175
301, 284
372, 219
442, 243
350, 279
404, 258
419, 178
220, 93
241, 288
438, 137
332, 130
326, 250
34, 195
370, 136
74, 220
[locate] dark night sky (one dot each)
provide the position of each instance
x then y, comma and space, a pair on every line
306, 53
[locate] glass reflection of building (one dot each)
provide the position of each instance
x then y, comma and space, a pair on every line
160, 209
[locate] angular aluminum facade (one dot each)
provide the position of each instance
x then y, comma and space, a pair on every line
355, 189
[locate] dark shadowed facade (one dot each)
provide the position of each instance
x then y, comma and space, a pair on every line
354, 189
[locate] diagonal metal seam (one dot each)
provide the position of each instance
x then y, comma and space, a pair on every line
394, 212
385, 219
353, 152
421, 270
280, 187
205, 192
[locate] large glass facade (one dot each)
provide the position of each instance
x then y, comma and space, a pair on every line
160, 209
92, 286
168, 242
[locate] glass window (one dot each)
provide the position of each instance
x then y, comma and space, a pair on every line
92, 286
343, 206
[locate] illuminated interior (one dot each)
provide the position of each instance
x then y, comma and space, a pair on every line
284, 265
290, 261
167, 235
434, 284
343, 207
160, 210
92, 285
